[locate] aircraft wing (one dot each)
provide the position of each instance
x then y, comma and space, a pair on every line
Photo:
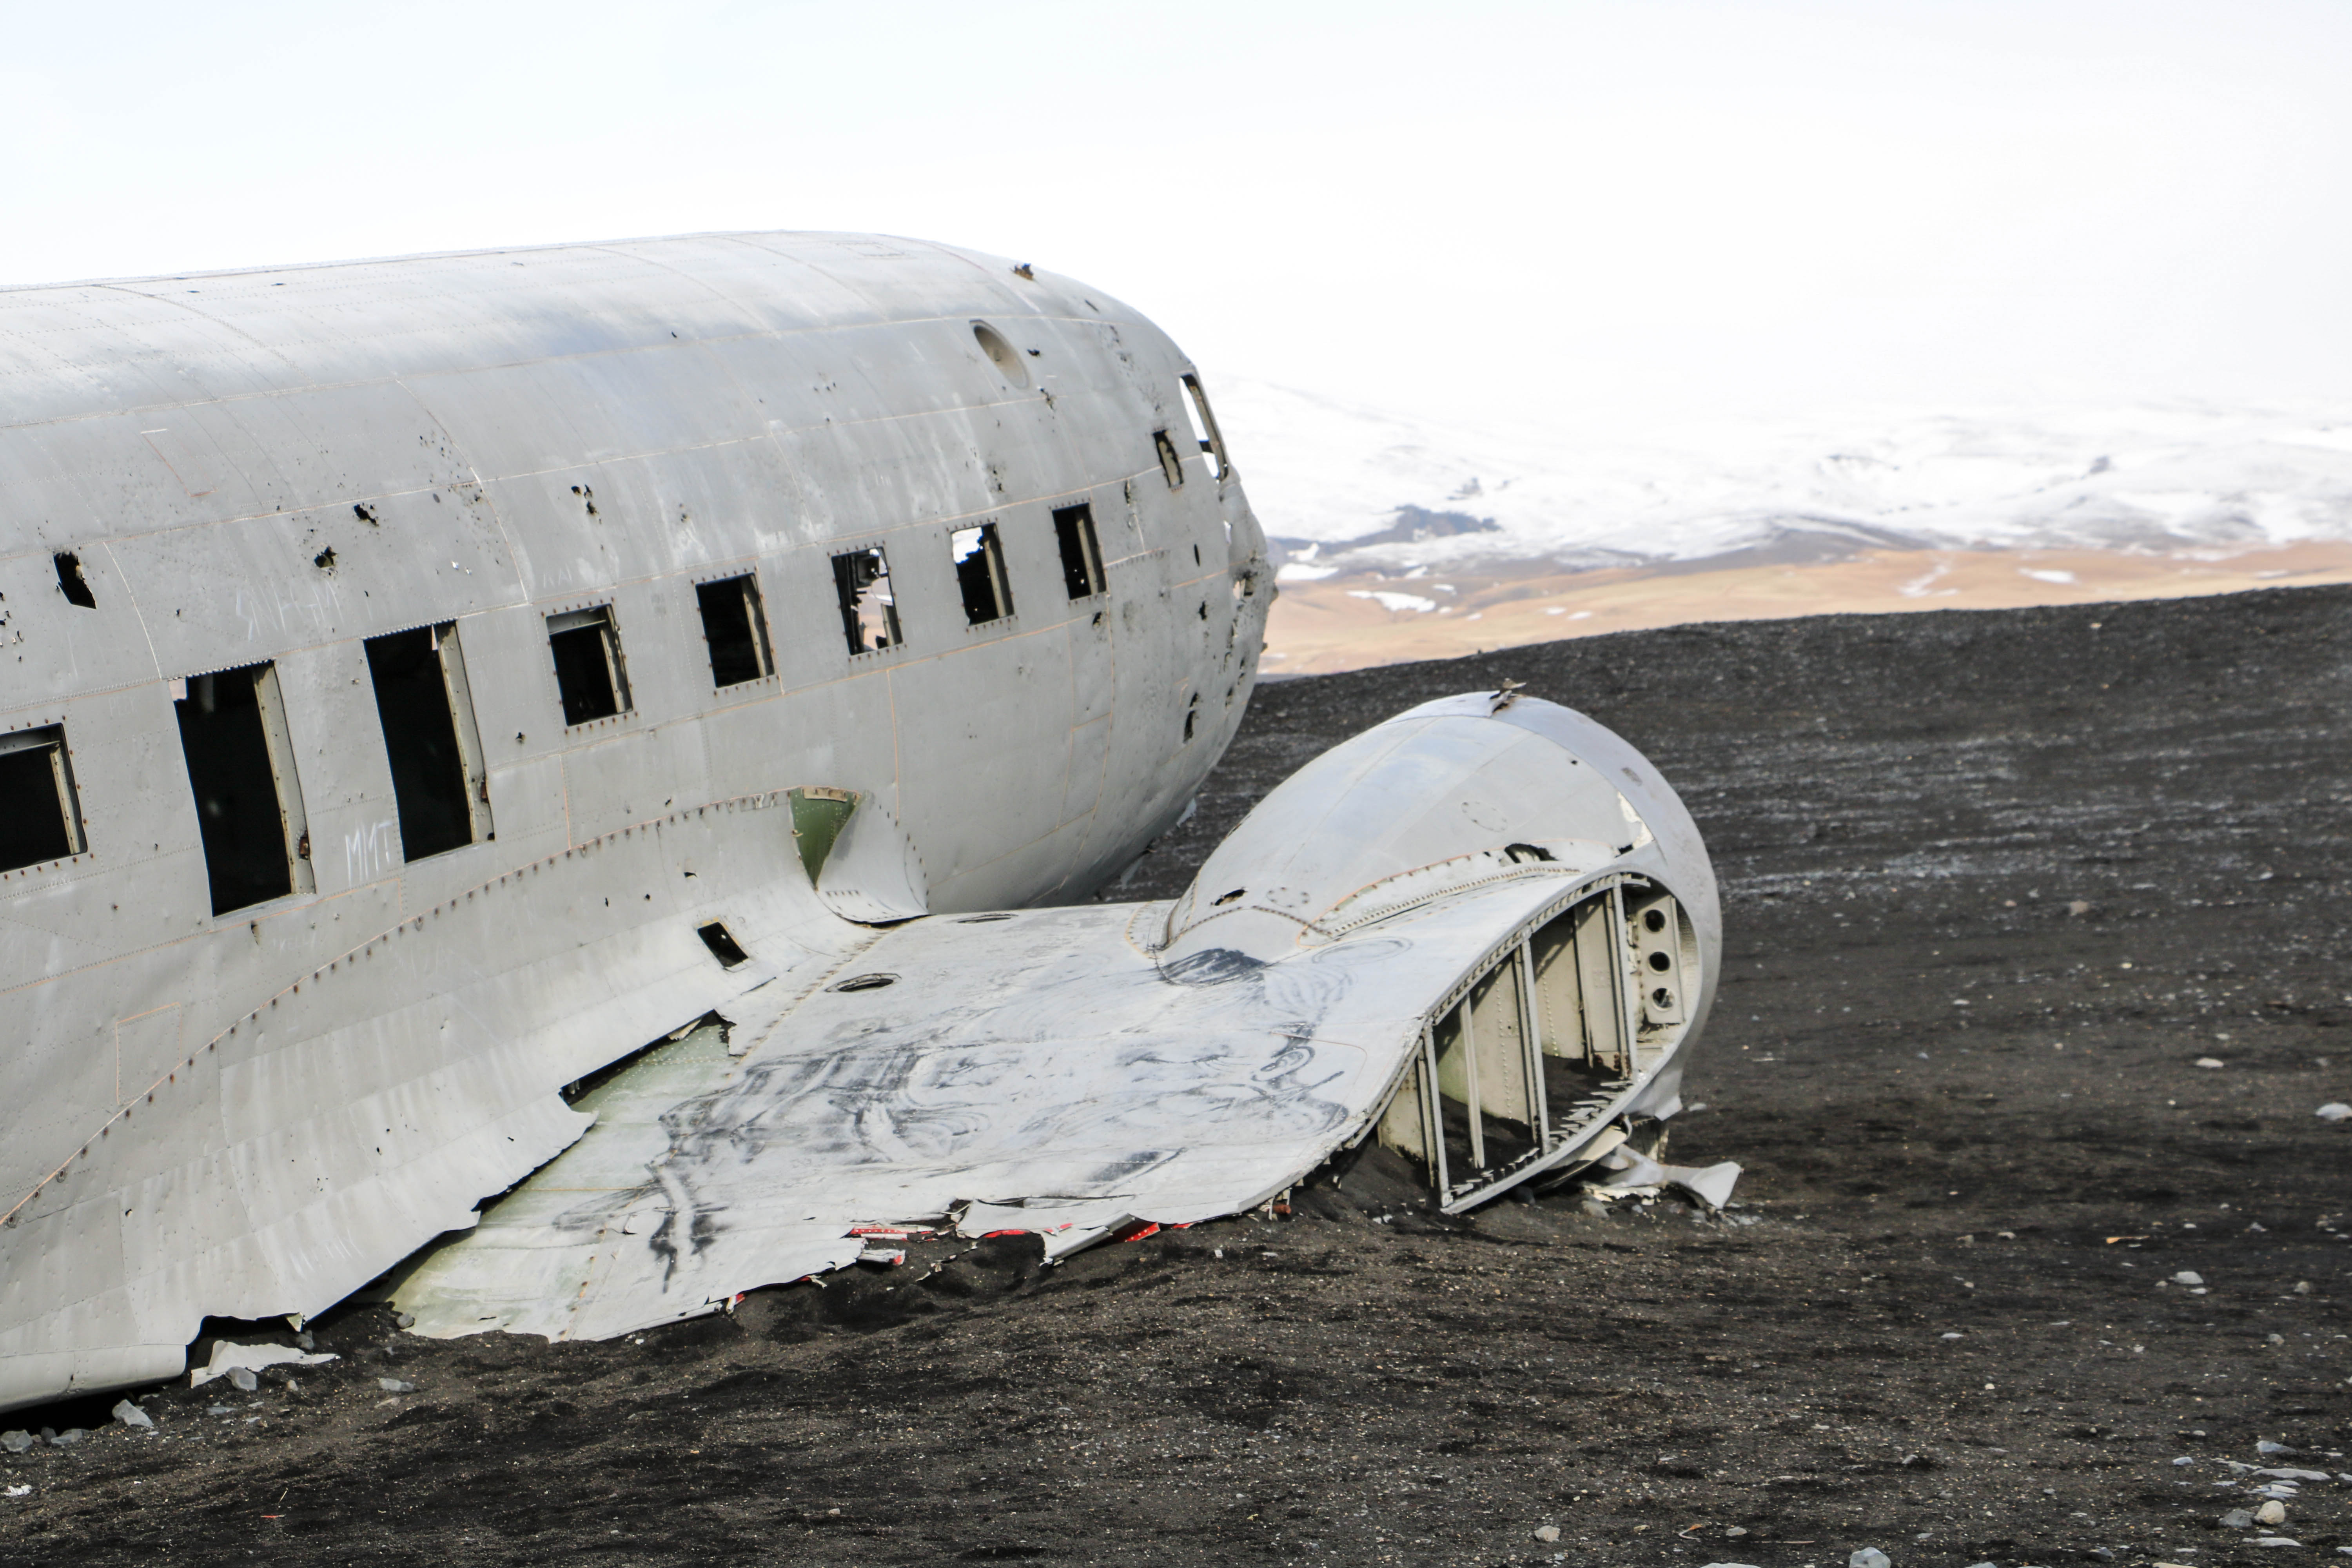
1076, 1071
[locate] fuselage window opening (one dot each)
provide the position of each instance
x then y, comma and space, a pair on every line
240, 760
70, 581
978, 556
1205, 427
439, 781
40, 816
1082, 568
1171, 464
722, 944
869, 610
736, 628
589, 673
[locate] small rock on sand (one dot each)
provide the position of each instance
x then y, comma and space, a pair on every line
395, 1385
1548, 1533
1868, 1557
130, 1415
2188, 1277
2334, 1111
2238, 1519
2271, 1512
18, 1441
241, 1378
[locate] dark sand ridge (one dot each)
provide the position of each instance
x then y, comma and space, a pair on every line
1994, 883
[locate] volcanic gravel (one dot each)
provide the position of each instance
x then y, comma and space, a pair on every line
1994, 885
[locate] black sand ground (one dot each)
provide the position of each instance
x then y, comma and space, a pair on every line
1994, 884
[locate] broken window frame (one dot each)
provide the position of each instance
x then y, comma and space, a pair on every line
569, 623
1205, 427
1554, 1026
1081, 548
985, 586
854, 596
285, 785
473, 795
70, 581
1171, 464
71, 840
755, 615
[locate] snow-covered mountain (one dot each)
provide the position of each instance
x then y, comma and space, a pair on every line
1356, 488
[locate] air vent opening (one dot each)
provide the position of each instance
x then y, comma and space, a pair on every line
864, 983
1001, 354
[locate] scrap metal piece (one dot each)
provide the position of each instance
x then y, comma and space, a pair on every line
1095, 1071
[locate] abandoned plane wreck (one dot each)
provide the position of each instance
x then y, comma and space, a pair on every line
432, 680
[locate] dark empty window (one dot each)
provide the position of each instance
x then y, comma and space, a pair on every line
428, 735
979, 573
1082, 570
588, 671
40, 819
70, 581
1204, 427
1170, 463
736, 630
722, 945
249, 807
869, 611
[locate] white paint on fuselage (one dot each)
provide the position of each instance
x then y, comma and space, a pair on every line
444, 425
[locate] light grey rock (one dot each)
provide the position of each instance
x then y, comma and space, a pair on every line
2188, 1277
2267, 1447
1868, 1557
404, 1320
130, 1415
18, 1441
69, 1437
2276, 1540
2271, 1512
395, 1385
2238, 1519
2184, 1460
220, 1410
2334, 1111
241, 1378
1548, 1533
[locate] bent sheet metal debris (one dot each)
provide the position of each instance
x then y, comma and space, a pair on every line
1075, 1071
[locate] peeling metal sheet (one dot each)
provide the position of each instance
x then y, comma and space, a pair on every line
1041, 1073
1073, 1072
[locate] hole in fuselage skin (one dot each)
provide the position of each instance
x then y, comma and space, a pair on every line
1662, 998
864, 983
1661, 962
1655, 920
723, 946
69, 579
1229, 898
977, 920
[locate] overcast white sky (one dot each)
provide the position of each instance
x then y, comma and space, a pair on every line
1466, 210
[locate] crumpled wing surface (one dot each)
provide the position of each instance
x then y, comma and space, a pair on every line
1038, 1072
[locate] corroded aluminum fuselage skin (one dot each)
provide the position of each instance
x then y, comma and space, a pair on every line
252, 1113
